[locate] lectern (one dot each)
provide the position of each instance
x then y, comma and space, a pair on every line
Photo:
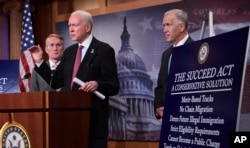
51, 119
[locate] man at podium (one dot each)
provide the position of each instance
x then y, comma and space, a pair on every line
92, 62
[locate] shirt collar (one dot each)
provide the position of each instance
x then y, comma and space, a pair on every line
51, 63
86, 43
182, 41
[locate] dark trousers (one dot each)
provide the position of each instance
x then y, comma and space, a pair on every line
99, 143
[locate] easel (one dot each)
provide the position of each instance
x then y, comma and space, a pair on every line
208, 19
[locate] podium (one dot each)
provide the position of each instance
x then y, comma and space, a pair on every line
51, 119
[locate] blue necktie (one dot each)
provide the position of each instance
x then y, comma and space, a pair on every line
169, 62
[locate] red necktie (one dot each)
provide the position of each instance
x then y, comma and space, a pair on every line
77, 63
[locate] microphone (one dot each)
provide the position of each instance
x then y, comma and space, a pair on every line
26, 76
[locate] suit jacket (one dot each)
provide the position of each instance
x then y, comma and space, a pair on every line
160, 90
98, 64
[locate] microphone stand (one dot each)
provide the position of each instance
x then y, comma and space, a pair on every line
51, 79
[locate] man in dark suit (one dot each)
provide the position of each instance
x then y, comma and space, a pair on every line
97, 69
54, 47
175, 28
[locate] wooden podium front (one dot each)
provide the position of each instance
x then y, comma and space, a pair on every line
51, 119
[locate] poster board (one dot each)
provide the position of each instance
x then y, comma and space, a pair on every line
9, 76
204, 93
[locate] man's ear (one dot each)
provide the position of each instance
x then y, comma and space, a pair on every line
88, 27
46, 49
182, 27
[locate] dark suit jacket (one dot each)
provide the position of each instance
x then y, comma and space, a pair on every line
99, 64
160, 90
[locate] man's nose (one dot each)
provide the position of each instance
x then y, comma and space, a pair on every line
71, 29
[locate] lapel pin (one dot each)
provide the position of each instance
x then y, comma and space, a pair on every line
92, 50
